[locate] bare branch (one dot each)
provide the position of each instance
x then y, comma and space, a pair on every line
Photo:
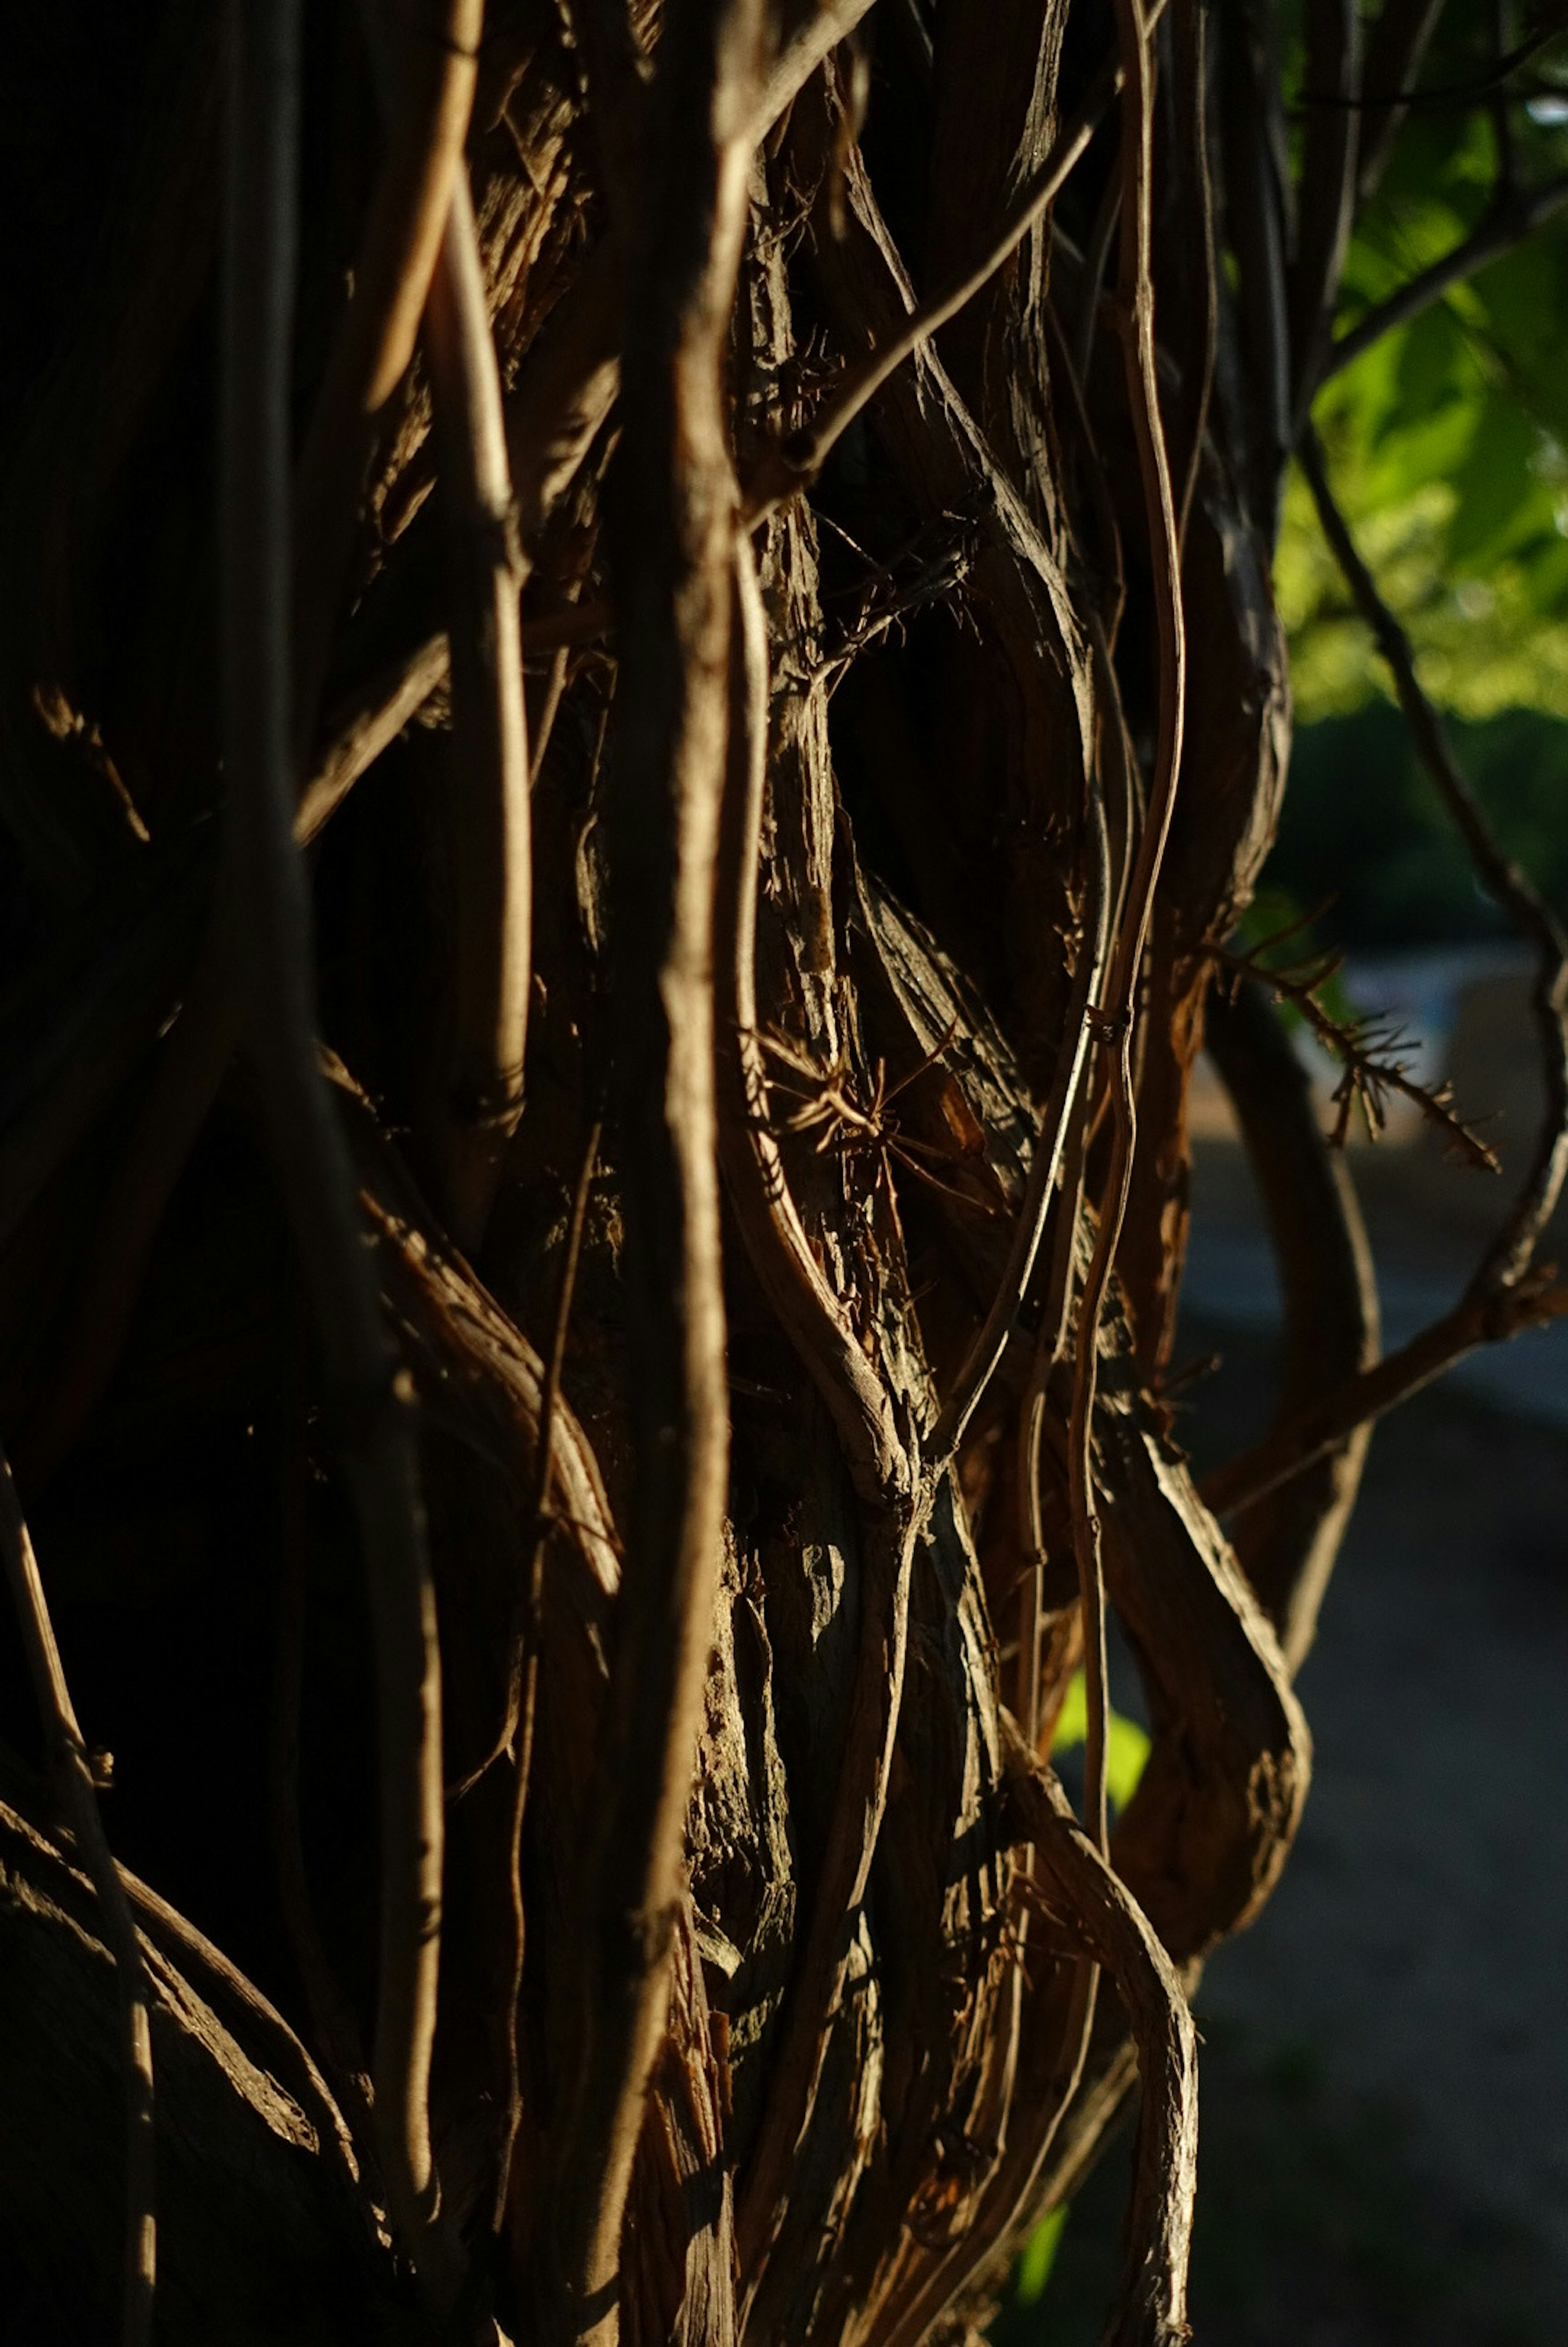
1479, 1319
1513, 1250
275, 951
1365, 1048
1516, 215
73, 1772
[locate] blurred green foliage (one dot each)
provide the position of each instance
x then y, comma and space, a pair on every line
1448, 445
1447, 442
1363, 836
1126, 1744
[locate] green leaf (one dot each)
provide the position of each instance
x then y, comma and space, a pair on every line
1126, 1744
1039, 2257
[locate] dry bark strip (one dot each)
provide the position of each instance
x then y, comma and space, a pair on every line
1151, 2305
674, 525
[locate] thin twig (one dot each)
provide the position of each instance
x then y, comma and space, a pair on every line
1511, 1252
793, 463
73, 1772
1449, 96
378, 1437
1364, 1047
1091, 472
1330, 1294
1396, 44
1096, 259
1050, 1349
1252, 169
365, 724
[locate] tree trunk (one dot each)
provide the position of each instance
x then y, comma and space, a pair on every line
754, 1058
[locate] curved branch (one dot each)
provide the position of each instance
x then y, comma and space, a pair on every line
1511, 1252
833, 22
774, 1235
1517, 214
1512, 219
1489, 1318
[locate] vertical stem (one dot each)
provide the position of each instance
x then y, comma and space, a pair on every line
73, 1778
674, 520
482, 1077
274, 949
1138, 326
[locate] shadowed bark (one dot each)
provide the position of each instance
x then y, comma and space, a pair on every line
638, 688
